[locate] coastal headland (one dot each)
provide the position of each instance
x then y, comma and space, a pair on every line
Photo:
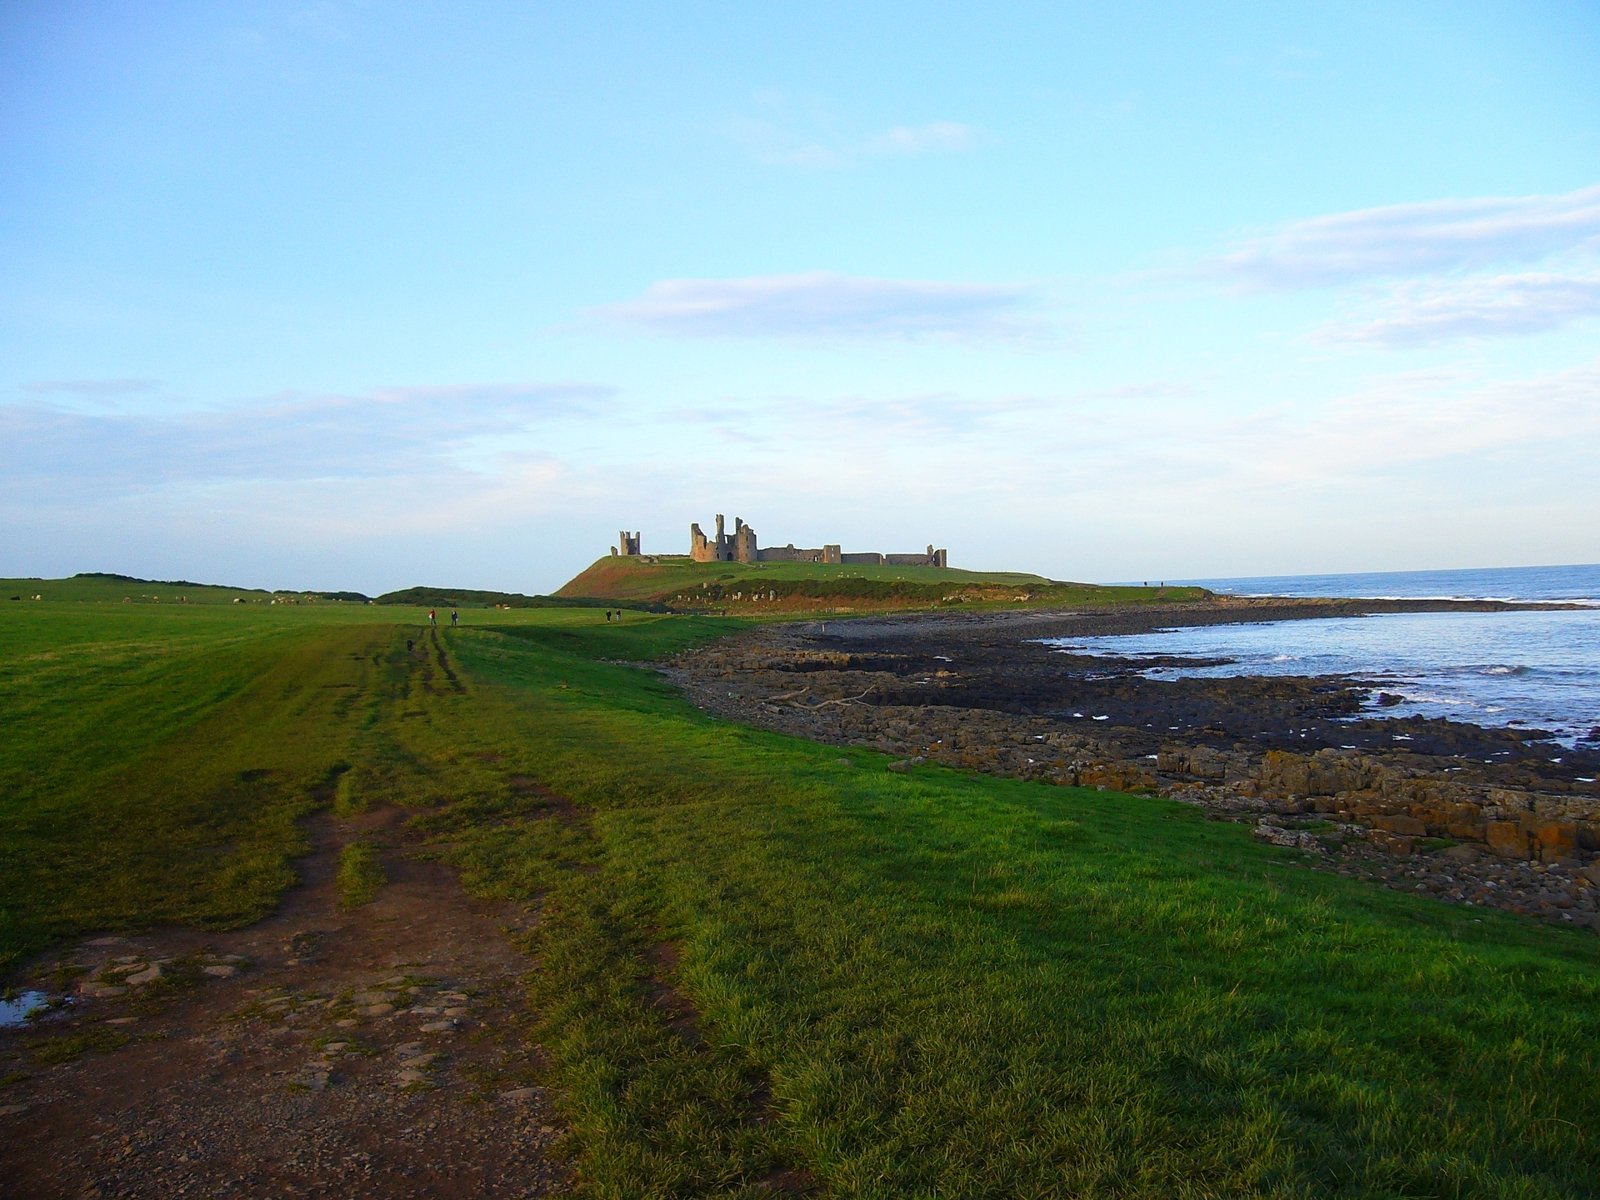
1472, 815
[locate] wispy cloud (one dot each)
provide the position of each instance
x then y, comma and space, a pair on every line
92, 389
1414, 239
510, 399
826, 305
1156, 390
1497, 306
388, 432
923, 139
1404, 422
805, 133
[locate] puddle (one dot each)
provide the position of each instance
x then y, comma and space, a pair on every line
15, 1012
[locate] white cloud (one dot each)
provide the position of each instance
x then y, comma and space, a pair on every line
804, 133
1495, 306
826, 305
1399, 428
1415, 239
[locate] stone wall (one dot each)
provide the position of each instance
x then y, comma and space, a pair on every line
790, 553
741, 546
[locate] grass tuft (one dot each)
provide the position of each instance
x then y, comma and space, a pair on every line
361, 874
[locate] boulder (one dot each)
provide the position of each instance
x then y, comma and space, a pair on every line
1393, 843
1556, 840
1507, 839
1116, 777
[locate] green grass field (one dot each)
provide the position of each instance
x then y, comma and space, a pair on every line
757, 955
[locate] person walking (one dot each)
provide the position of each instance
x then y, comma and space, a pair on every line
433, 617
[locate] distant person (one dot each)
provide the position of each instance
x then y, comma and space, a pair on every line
455, 617
433, 617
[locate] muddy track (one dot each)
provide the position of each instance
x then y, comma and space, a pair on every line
375, 1052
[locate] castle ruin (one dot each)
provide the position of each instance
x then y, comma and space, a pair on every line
741, 547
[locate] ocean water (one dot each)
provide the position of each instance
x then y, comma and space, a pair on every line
1540, 669
1575, 583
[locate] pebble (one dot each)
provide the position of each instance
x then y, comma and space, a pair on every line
439, 1027
377, 1010
520, 1095
346, 1023
220, 970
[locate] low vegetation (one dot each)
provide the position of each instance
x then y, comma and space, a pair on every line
768, 964
433, 597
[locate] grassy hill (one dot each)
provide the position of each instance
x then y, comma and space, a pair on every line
683, 585
105, 587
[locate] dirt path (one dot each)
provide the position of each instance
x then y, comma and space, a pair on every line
375, 1052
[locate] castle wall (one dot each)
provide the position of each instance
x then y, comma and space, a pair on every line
741, 546
790, 553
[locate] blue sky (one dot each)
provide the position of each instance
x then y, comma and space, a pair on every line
362, 295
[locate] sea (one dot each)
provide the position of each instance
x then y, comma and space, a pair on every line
1539, 669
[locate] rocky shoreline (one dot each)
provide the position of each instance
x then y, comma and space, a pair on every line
1476, 816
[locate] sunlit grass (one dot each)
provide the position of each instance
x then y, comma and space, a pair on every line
757, 954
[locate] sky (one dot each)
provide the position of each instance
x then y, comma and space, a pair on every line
368, 295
